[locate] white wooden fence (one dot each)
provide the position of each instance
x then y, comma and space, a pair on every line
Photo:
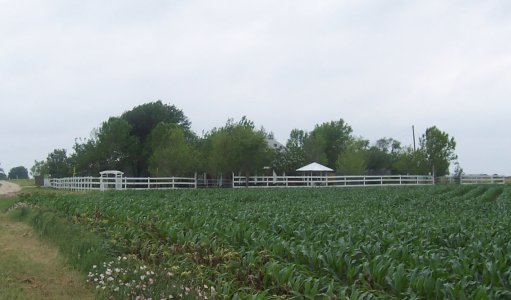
482, 179
121, 183
474, 179
332, 181
145, 183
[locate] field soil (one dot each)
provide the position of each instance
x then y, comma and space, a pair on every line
31, 268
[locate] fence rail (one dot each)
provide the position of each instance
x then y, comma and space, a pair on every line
495, 179
106, 183
339, 181
145, 183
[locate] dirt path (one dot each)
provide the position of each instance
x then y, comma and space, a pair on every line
31, 268
8, 189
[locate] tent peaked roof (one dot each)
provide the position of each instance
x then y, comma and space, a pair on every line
314, 167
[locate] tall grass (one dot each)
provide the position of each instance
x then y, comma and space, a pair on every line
81, 248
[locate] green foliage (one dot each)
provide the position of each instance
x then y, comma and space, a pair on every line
85, 158
171, 154
382, 156
292, 156
238, 147
438, 149
144, 118
40, 168
121, 142
409, 161
18, 173
327, 141
58, 164
448, 242
353, 161
116, 147
81, 248
2, 174
135, 144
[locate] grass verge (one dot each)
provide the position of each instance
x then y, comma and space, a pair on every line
23, 182
31, 268
80, 248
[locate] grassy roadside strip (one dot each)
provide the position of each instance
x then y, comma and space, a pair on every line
31, 268
111, 272
80, 248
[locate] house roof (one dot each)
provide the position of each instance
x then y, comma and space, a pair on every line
274, 144
314, 167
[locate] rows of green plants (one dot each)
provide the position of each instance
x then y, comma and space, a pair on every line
415, 242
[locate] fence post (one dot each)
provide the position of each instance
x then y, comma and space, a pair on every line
233, 179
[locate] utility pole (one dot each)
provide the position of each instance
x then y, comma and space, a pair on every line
413, 133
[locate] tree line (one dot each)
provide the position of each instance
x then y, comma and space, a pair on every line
155, 139
15, 173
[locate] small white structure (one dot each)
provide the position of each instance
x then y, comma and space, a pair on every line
315, 167
110, 179
316, 173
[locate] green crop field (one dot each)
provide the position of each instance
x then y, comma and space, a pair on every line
403, 242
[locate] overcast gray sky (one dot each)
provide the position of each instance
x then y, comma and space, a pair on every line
382, 66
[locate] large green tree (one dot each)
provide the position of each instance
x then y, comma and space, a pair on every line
117, 148
171, 153
85, 158
58, 164
144, 118
238, 147
382, 155
327, 141
18, 173
410, 161
111, 147
40, 168
353, 160
292, 156
439, 150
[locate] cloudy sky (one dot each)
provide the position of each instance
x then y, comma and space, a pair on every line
382, 66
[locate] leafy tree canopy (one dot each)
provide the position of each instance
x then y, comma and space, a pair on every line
327, 141
438, 149
116, 148
18, 173
353, 161
144, 118
2, 174
40, 168
58, 164
172, 154
238, 147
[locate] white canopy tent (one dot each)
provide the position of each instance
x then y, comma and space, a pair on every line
314, 167
315, 173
